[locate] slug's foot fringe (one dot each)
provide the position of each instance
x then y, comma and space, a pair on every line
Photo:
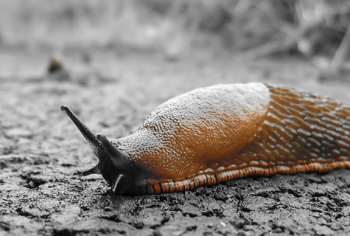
202, 180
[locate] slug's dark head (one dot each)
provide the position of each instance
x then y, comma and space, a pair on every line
114, 165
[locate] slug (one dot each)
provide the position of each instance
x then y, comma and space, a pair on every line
223, 132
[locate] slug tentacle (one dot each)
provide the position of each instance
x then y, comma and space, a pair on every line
88, 134
93, 170
113, 164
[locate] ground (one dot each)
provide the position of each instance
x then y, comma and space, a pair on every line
42, 153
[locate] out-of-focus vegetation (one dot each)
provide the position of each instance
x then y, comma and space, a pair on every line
316, 28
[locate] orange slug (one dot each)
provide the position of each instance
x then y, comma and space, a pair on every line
219, 133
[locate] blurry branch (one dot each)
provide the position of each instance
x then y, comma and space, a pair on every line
336, 69
255, 28
292, 36
342, 52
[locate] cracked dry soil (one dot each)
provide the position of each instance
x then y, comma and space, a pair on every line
41, 153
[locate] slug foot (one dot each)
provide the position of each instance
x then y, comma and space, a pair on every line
203, 180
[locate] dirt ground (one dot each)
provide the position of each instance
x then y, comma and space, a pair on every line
41, 151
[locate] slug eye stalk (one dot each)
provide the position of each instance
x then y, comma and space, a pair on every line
88, 134
100, 145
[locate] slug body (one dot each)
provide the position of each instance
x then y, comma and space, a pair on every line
219, 133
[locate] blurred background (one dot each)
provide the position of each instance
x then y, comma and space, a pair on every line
113, 62
247, 29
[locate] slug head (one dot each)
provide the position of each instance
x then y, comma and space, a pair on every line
115, 166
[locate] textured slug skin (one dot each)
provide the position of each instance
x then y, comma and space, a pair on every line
196, 130
219, 133
300, 129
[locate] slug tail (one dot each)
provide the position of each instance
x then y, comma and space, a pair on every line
89, 135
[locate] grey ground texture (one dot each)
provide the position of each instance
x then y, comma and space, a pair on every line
42, 153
